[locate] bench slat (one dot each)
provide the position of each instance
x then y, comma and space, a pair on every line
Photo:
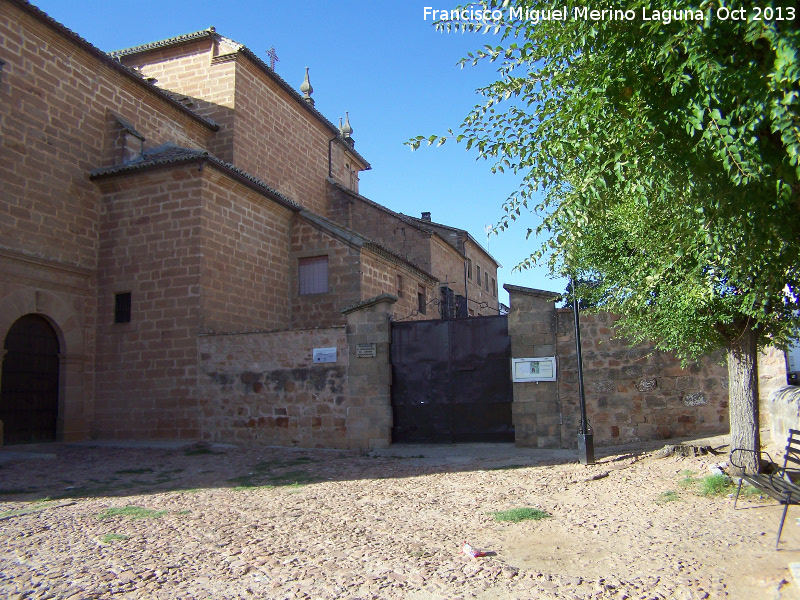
775, 487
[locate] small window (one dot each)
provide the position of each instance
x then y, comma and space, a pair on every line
421, 300
122, 308
312, 275
494, 288
478, 273
399, 286
469, 268
486, 280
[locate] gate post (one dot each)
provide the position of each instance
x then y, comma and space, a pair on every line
369, 374
536, 412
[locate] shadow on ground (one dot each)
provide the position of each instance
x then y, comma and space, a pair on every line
69, 471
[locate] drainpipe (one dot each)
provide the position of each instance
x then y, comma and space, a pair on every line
330, 156
466, 289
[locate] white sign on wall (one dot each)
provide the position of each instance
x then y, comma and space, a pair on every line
541, 368
324, 355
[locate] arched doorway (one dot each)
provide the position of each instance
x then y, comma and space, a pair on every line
29, 389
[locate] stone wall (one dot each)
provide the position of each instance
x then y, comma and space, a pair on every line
369, 412
381, 225
246, 271
210, 88
264, 388
56, 101
771, 377
536, 412
634, 392
150, 248
783, 409
266, 130
344, 280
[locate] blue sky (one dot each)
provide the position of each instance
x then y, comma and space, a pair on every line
382, 62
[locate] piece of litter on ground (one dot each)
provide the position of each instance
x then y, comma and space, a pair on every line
472, 552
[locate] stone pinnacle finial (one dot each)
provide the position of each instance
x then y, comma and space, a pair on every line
307, 90
347, 130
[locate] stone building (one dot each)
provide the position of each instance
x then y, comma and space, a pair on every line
160, 199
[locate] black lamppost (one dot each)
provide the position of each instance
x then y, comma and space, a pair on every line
585, 435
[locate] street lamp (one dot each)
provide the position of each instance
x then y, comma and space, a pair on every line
585, 435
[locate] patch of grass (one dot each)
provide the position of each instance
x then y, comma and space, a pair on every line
714, 485
669, 496
292, 478
246, 482
107, 538
200, 451
748, 491
133, 471
267, 465
132, 512
515, 515
687, 479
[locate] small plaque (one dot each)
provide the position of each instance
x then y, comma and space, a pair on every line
533, 369
324, 355
366, 350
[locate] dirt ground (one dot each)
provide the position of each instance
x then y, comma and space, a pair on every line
227, 522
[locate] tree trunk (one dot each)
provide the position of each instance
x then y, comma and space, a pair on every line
743, 400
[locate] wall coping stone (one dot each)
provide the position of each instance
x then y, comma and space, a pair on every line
531, 291
389, 298
206, 333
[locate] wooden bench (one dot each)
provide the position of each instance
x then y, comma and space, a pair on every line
777, 483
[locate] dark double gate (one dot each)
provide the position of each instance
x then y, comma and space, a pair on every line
451, 381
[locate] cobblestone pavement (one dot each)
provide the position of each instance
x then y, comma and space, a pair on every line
214, 522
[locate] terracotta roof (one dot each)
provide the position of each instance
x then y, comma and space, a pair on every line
178, 39
211, 32
171, 154
108, 60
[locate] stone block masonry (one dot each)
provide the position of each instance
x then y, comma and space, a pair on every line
264, 389
633, 391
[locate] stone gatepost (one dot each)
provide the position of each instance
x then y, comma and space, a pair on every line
369, 413
536, 412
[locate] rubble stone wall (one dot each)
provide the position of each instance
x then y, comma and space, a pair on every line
265, 389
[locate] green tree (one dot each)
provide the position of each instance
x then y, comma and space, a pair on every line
664, 160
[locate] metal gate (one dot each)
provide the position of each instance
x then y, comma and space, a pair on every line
29, 392
451, 381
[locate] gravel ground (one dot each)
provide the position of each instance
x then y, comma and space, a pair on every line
228, 522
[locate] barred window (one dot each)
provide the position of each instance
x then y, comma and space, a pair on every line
478, 273
312, 275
